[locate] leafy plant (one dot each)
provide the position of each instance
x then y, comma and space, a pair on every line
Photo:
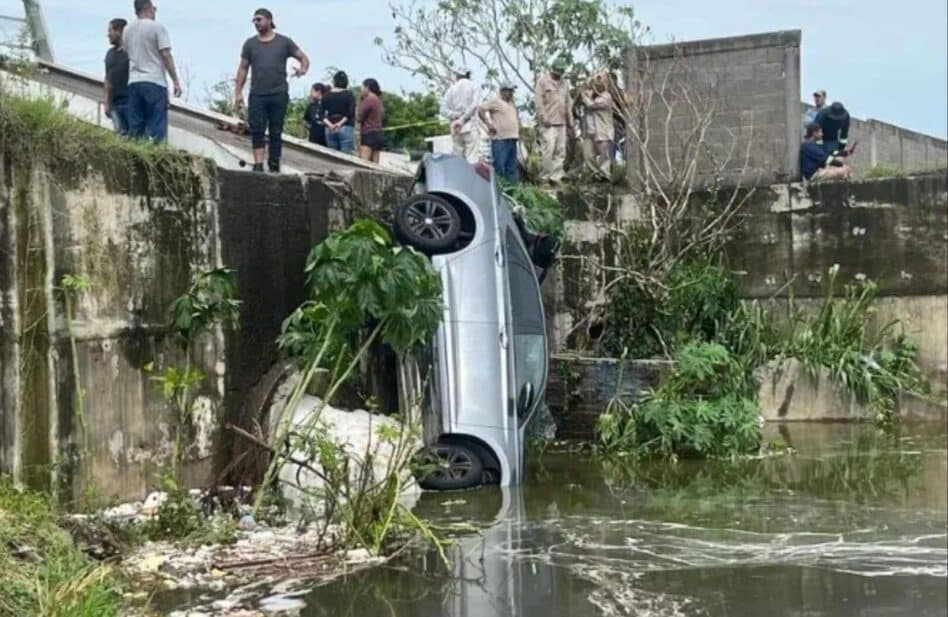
707, 407
362, 288
542, 212
876, 365
209, 302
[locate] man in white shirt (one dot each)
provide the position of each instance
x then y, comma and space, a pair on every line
459, 107
149, 56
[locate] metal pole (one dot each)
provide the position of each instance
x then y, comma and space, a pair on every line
37, 25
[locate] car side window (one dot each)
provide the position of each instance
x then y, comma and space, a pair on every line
529, 329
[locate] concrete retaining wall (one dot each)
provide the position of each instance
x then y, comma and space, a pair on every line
139, 246
893, 231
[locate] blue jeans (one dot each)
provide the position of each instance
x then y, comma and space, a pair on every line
147, 111
266, 113
342, 140
119, 117
504, 155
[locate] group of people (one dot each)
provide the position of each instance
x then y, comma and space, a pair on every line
461, 106
333, 114
826, 145
139, 62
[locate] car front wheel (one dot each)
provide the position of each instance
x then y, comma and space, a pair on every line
450, 467
428, 223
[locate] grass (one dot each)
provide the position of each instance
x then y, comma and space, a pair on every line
42, 570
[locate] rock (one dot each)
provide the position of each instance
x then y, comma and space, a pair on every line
123, 513
247, 523
153, 502
359, 555
151, 563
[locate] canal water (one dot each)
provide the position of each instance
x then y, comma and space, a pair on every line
852, 524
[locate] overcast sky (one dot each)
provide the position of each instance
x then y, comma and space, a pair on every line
886, 60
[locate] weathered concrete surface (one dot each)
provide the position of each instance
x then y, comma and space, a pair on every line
752, 85
580, 389
138, 249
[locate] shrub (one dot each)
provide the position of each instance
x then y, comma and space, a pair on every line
542, 212
707, 407
877, 366
42, 570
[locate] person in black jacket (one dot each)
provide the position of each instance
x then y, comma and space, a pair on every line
834, 120
314, 114
818, 164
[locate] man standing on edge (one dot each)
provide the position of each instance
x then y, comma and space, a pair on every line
819, 103
116, 78
503, 121
554, 120
265, 55
458, 106
149, 54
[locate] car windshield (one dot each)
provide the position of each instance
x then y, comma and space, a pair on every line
529, 341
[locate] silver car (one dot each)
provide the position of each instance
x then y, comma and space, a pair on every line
490, 355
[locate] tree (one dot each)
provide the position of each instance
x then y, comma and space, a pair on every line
510, 40
413, 116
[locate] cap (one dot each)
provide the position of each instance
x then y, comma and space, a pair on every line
462, 70
560, 64
508, 86
820, 93
265, 13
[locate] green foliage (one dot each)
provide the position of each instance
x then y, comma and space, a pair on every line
509, 41
418, 114
209, 301
541, 210
882, 171
179, 520
706, 407
359, 277
40, 131
876, 365
42, 571
700, 298
175, 383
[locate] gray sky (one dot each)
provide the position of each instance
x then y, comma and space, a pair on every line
885, 60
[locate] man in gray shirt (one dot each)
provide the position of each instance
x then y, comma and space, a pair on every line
149, 55
265, 56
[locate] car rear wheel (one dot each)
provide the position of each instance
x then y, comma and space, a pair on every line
428, 223
451, 467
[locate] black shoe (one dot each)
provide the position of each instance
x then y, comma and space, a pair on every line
258, 167
274, 166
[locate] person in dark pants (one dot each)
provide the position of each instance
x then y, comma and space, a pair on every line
313, 117
149, 57
834, 120
503, 123
265, 56
371, 115
116, 78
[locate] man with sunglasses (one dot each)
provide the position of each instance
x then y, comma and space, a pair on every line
265, 56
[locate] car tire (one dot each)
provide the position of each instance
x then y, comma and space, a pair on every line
457, 467
428, 223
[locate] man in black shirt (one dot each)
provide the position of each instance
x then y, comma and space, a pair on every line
265, 56
314, 115
116, 78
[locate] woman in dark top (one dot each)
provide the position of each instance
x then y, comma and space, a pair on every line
314, 114
371, 112
339, 109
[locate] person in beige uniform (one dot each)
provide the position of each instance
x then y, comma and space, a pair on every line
554, 120
599, 107
502, 120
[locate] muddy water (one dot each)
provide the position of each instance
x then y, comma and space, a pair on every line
852, 524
